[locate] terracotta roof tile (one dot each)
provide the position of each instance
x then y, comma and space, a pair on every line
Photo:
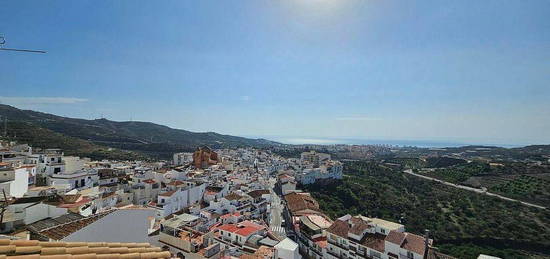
395, 237
244, 228
339, 228
299, 201
359, 226
374, 241
167, 194
60, 231
414, 243
54, 250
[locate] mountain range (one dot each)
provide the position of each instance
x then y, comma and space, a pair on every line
102, 138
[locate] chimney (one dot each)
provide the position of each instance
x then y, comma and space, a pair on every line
426, 242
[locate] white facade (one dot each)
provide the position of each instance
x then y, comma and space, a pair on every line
29, 213
79, 180
183, 158
20, 185
74, 163
180, 198
329, 170
313, 158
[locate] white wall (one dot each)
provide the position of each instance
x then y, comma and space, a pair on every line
20, 185
41, 211
73, 164
284, 252
196, 193
119, 226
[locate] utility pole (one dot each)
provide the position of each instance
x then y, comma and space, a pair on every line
5, 126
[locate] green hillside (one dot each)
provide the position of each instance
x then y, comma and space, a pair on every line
455, 218
154, 140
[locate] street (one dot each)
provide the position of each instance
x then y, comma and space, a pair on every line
275, 220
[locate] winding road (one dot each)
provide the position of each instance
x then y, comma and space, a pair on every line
482, 191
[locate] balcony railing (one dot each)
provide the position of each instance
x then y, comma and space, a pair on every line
345, 247
333, 253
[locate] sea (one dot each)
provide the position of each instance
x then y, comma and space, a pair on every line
392, 142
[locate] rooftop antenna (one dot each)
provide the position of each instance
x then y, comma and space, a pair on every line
4, 205
3, 42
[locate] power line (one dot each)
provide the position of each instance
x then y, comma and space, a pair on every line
24, 50
3, 41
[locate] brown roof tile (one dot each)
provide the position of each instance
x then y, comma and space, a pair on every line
414, 243
395, 237
339, 228
59, 232
233, 196
167, 194
299, 201
258, 193
358, 226
374, 241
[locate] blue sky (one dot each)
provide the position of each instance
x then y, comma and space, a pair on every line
468, 71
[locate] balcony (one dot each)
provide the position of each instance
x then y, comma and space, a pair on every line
330, 241
362, 253
333, 253
317, 250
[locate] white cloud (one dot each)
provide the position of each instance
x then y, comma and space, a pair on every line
40, 100
356, 118
245, 98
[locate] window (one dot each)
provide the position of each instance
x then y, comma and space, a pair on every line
375, 254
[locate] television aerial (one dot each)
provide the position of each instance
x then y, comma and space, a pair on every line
3, 42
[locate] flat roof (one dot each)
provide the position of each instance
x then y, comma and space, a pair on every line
180, 220
306, 221
287, 244
383, 223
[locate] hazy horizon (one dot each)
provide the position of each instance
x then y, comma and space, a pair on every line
443, 71
331, 140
